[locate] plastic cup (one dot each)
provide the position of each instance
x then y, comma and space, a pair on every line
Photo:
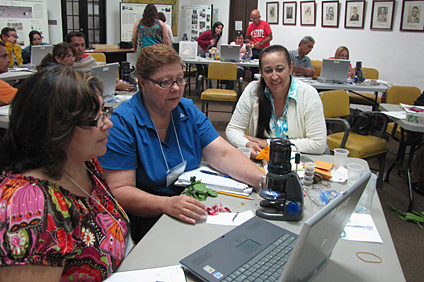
354, 172
340, 157
246, 151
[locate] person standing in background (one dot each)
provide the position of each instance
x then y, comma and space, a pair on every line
35, 38
9, 37
162, 17
259, 34
149, 30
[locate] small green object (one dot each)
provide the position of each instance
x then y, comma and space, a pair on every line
198, 190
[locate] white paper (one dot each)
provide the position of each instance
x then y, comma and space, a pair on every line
226, 218
361, 227
238, 25
166, 274
4, 111
338, 175
396, 114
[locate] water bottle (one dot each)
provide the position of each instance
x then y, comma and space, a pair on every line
247, 53
358, 72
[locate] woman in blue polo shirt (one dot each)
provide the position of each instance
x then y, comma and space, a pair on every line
156, 136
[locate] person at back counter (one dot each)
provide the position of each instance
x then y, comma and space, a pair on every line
302, 65
7, 92
157, 135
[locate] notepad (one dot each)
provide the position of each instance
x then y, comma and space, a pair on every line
214, 181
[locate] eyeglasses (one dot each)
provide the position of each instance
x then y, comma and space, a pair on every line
100, 120
13, 36
168, 83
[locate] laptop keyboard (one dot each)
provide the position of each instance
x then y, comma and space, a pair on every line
268, 264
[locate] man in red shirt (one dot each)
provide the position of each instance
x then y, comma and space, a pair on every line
259, 34
7, 92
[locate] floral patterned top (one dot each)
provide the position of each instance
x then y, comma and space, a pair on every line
41, 223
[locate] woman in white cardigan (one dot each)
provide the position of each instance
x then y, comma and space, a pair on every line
278, 106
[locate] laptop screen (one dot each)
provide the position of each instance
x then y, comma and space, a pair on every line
334, 70
230, 53
108, 74
38, 52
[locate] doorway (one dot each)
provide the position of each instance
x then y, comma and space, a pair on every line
240, 11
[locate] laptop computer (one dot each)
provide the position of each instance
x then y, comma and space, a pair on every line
334, 70
257, 242
38, 52
108, 74
230, 53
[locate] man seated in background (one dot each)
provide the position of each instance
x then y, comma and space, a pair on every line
7, 92
84, 62
302, 65
35, 38
9, 37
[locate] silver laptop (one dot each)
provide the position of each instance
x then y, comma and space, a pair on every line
108, 73
334, 71
258, 243
38, 52
230, 53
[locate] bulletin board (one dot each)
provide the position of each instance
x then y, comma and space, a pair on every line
25, 16
195, 19
132, 10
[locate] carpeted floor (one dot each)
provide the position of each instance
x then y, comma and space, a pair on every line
408, 237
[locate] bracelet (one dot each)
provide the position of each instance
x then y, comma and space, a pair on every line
261, 181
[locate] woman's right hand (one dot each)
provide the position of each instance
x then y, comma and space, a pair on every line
185, 208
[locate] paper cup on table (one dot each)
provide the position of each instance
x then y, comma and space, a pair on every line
354, 172
246, 151
340, 157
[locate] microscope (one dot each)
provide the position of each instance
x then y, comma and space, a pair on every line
283, 196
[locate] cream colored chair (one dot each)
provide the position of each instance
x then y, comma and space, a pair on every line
317, 64
221, 71
336, 105
365, 98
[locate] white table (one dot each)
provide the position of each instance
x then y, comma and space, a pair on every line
415, 132
171, 240
203, 61
12, 75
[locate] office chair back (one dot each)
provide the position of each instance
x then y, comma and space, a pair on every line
99, 57
317, 64
370, 73
402, 94
335, 103
222, 71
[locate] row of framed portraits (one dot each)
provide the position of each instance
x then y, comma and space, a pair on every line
412, 17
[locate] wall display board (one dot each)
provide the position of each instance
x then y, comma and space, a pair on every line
132, 12
195, 19
24, 16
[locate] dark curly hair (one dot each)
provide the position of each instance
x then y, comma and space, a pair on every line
45, 111
150, 15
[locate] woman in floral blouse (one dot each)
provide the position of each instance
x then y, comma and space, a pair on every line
58, 218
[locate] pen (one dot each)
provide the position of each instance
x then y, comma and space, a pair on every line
234, 195
235, 216
215, 173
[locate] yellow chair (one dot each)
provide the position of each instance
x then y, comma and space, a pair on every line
221, 71
336, 105
365, 98
317, 64
99, 57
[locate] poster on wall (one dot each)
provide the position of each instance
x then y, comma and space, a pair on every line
194, 20
25, 16
132, 12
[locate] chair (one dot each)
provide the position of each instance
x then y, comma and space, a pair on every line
365, 98
221, 71
99, 57
336, 106
317, 64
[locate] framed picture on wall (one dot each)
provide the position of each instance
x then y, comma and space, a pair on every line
289, 13
355, 14
272, 12
382, 14
307, 13
412, 16
330, 14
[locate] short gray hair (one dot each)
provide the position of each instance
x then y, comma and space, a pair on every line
306, 39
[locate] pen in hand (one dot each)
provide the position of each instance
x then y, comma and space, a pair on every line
215, 173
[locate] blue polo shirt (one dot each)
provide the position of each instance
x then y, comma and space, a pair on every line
133, 143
